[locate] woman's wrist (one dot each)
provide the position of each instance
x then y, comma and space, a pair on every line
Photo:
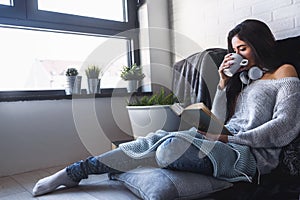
225, 139
222, 84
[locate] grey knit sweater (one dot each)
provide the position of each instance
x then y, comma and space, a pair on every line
267, 117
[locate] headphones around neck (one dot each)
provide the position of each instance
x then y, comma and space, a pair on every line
254, 73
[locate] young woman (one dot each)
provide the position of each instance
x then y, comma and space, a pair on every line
262, 115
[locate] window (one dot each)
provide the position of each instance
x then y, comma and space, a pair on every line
41, 39
103, 9
6, 2
38, 59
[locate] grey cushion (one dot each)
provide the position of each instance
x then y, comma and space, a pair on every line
163, 184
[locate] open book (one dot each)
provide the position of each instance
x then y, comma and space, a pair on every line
199, 116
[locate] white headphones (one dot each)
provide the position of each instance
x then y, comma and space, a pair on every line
252, 74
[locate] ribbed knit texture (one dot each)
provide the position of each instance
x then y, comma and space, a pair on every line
267, 117
231, 162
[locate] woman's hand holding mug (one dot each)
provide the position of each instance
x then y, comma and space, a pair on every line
231, 64
237, 62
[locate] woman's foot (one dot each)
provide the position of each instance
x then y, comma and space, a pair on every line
50, 183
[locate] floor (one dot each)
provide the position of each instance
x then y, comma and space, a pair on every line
19, 187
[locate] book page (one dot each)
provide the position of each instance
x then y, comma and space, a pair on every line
202, 106
200, 116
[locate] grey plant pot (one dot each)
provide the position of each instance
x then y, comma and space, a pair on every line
93, 85
70, 84
132, 85
73, 85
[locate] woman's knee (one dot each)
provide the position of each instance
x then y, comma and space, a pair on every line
170, 150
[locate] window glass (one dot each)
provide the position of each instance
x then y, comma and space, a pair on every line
104, 9
37, 60
6, 2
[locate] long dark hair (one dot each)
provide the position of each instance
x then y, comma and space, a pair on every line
262, 42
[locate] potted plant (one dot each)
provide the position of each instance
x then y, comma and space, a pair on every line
151, 113
73, 81
93, 74
133, 75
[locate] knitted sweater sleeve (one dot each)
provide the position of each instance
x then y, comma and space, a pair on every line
279, 131
219, 104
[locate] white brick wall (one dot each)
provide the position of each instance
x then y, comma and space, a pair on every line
286, 12
298, 21
208, 22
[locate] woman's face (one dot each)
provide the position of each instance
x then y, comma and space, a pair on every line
242, 48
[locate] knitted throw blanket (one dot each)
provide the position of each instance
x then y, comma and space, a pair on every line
231, 162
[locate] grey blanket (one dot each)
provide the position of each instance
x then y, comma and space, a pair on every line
232, 162
195, 78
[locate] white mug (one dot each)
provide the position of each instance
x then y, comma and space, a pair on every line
237, 62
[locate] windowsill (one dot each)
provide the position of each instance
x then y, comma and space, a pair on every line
11, 96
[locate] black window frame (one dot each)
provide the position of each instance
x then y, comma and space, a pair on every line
25, 14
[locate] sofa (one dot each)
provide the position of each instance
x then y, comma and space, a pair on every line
190, 85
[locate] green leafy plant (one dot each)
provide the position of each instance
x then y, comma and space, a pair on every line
132, 73
159, 98
71, 72
93, 71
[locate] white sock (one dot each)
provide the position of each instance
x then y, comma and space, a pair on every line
50, 183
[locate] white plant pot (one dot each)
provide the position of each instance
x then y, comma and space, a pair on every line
147, 119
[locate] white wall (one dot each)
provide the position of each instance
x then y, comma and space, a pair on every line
157, 39
208, 22
41, 134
